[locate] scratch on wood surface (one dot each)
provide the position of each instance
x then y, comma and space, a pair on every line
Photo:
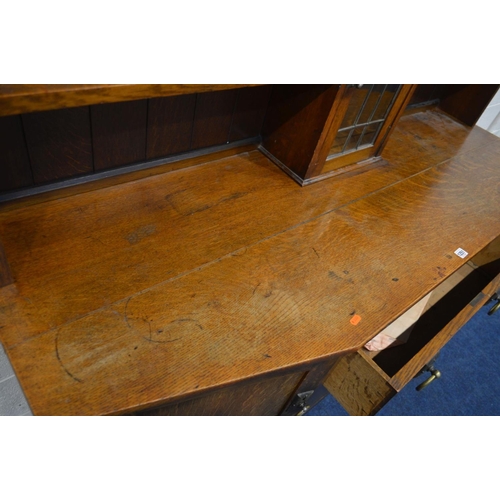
335, 276
186, 211
163, 333
160, 341
60, 361
125, 313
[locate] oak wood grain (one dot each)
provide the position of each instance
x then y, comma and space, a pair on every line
358, 385
227, 271
59, 143
180, 223
431, 137
5, 272
118, 133
271, 200
15, 99
177, 163
263, 398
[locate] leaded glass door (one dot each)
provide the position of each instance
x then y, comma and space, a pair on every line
364, 117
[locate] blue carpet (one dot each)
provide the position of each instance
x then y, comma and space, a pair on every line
469, 383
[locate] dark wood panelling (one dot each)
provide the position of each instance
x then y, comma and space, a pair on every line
5, 274
170, 124
467, 102
213, 117
266, 397
425, 93
15, 169
119, 133
295, 120
249, 113
59, 143
100, 180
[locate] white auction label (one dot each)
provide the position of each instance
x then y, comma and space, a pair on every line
461, 253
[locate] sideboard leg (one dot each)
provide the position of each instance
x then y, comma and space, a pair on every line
5, 273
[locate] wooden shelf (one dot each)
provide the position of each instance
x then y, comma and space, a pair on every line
16, 99
161, 289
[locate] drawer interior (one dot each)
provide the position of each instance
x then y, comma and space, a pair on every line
433, 320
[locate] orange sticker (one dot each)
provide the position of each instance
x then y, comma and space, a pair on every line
355, 319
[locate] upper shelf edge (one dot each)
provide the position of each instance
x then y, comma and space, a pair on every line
17, 99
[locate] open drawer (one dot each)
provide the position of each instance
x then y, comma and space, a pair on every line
363, 382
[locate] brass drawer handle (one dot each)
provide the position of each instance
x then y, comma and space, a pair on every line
429, 367
435, 374
303, 411
496, 307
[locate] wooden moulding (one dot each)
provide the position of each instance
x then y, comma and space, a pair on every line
17, 99
120, 175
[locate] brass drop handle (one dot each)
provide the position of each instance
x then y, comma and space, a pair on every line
434, 375
496, 307
303, 411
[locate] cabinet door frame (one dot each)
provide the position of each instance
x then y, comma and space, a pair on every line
349, 161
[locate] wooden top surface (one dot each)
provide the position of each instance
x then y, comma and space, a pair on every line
145, 292
16, 99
